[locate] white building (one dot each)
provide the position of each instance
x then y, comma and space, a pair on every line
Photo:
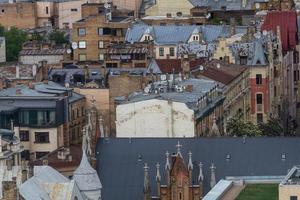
164, 112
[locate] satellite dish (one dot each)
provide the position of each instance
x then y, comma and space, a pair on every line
163, 77
69, 51
74, 45
201, 68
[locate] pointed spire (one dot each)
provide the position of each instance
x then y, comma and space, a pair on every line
190, 164
200, 177
178, 148
213, 176
146, 183
158, 177
167, 166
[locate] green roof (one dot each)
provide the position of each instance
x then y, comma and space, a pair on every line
259, 192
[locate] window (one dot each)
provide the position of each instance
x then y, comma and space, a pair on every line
172, 51
38, 154
101, 56
296, 75
2, 10
293, 198
100, 31
259, 118
259, 98
82, 45
161, 51
74, 9
258, 79
196, 38
82, 57
42, 137
81, 32
25, 155
243, 60
101, 44
147, 38
47, 10
275, 91
24, 135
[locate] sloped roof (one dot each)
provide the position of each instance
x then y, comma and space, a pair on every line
120, 161
172, 34
287, 21
86, 176
47, 184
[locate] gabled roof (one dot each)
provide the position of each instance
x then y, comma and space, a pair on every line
120, 161
48, 184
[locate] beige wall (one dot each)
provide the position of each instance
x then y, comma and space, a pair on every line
166, 52
55, 139
162, 7
286, 191
43, 18
66, 15
223, 50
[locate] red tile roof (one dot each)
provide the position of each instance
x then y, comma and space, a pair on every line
167, 65
287, 21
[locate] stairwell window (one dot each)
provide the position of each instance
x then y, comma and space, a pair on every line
258, 79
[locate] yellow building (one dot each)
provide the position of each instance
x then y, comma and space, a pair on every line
289, 188
162, 7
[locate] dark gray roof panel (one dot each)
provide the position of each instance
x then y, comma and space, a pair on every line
121, 173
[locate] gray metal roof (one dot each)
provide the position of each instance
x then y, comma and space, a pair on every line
173, 34
122, 174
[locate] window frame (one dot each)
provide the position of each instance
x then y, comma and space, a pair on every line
37, 138
81, 34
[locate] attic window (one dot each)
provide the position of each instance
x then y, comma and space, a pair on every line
147, 38
195, 38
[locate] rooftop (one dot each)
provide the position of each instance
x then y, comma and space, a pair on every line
166, 34
120, 162
259, 192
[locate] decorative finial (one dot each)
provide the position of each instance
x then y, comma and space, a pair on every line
158, 177
146, 179
201, 177
190, 164
178, 148
213, 175
167, 166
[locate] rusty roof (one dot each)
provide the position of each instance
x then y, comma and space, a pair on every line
36, 52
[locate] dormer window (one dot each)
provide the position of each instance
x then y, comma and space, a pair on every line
195, 38
147, 38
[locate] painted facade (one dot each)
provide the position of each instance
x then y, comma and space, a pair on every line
162, 7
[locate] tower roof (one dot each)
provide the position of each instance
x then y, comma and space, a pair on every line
86, 177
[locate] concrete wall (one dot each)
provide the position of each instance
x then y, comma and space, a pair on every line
154, 118
31, 59
286, 191
162, 7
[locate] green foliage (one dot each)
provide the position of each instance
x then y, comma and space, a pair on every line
271, 128
59, 37
259, 192
37, 37
238, 127
14, 41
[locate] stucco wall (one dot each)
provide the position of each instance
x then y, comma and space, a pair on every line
155, 118
285, 192
162, 7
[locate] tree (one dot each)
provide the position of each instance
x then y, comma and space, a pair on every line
59, 37
14, 42
271, 128
237, 127
37, 37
